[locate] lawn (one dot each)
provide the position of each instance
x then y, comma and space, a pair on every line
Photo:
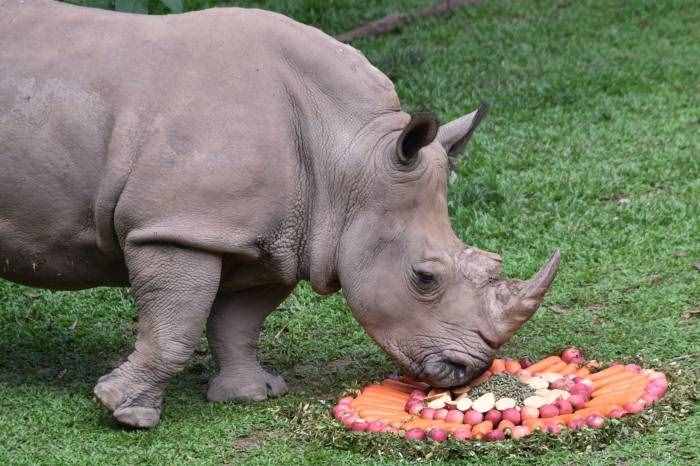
592, 146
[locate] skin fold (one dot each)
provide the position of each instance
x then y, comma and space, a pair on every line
211, 161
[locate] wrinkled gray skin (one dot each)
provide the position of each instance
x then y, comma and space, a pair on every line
211, 161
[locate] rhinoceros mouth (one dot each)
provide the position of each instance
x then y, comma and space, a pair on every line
451, 372
446, 368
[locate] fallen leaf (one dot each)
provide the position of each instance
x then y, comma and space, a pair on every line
557, 309
691, 314
655, 279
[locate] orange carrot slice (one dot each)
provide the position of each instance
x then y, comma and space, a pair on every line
544, 364
618, 398
606, 372
426, 424
384, 416
498, 366
585, 412
583, 372
378, 402
385, 393
557, 367
637, 381
482, 428
614, 378
512, 366
570, 368
378, 399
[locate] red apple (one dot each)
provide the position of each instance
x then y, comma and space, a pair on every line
415, 434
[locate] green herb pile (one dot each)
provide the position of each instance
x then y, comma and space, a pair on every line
503, 386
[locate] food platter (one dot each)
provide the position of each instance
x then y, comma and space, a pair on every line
512, 399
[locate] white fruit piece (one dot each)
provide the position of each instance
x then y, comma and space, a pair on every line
505, 403
484, 403
537, 383
550, 376
436, 404
535, 401
464, 403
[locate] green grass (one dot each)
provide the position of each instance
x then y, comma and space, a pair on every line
592, 145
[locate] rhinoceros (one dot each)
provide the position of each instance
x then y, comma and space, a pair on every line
211, 161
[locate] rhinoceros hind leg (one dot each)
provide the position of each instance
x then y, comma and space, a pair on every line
233, 330
174, 289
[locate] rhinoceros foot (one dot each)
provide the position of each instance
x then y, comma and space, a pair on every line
133, 404
243, 387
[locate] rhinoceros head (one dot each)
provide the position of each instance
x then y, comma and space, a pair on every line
440, 308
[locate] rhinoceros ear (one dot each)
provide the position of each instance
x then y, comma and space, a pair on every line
454, 135
420, 131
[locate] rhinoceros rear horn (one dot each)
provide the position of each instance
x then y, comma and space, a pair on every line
454, 135
420, 131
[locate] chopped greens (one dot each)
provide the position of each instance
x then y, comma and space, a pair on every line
503, 385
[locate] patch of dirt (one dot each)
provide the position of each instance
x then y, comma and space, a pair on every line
250, 442
339, 364
690, 315
620, 199
595, 307
655, 279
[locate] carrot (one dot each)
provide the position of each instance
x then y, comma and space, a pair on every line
379, 402
583, 372
535, 422
606, 372
570, 368
425, 424
380, 398
385, 416
384, 392
383, 396
398, 386
498, 366
585, 412
617, 398
557, 367
544, 364
512, 366
639, 380
614, 378
482, 428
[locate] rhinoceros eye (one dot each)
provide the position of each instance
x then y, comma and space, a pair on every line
425, 279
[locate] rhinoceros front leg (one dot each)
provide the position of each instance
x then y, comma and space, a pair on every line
174, 289
233, 330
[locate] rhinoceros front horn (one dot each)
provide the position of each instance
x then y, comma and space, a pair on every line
531, 294
539, 284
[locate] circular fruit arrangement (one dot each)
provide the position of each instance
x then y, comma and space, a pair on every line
511, 399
